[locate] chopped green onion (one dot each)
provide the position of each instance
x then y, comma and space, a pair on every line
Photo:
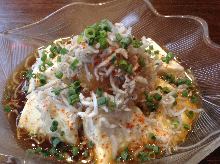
143, 156
136, 43
125, 66
152, 106
157, 96
155, 148
49, 63
80, 39
29, 74
125, 154
156, 52
75, 151
190, 114
43, 57
104, 25
56, 91
72, 91
186, 126
194, 99
113, 59
148, 51
59, 74
90, 144
175, 123
90, 32
103, 43
183, 81
151, 47
102, 101
63, 51
168, 57
73, 99
152, 136
165, 90
125, 42
188, 82
149, 98
54, 125
185, 93
129, 69
55, 141
165, 60
53, 128
59, 59
52, 55
118, 37
85, 153
169, 78
7, 108
73, 66
42, 79
54, 49
91, 41
180, 81
141, 61
53, 151
75, 84
99, 92
42, 68
102, 34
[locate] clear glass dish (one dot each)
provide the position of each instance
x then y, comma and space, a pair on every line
186, 36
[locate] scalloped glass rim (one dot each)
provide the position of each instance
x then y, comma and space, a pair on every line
192, 153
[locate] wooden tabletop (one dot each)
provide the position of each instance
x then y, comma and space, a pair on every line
15, 13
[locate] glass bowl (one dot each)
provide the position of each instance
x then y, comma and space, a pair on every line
186, 36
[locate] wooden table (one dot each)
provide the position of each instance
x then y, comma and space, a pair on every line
15, 13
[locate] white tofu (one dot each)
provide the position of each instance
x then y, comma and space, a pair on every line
63, 66
172, 67
43, 107
112, 132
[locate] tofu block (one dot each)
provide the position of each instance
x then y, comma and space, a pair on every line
43, 107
